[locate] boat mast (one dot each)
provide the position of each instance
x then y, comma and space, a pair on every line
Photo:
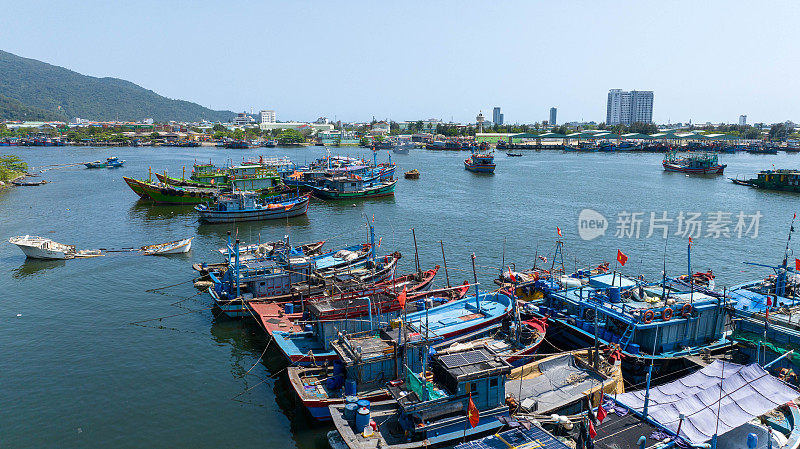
416, 251
446, 274
475, 276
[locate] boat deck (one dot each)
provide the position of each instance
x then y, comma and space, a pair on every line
301, 345
272, 317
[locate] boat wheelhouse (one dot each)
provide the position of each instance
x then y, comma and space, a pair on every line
693, 163
480, 163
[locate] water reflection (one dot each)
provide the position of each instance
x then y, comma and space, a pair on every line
33, 266
149, 211
250, 230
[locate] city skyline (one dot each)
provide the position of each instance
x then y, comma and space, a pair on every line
188, 53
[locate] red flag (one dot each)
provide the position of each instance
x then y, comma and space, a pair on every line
690, 240
559, 231
511, 275
601, 413
766, 311
379, 242
401, 298
621, 258
797, 264
592, 431
472, 413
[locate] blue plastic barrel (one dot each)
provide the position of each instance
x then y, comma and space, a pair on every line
363, 403
362, 419
420, 304
752, 441
579, 323
308, 328
334, 383
350, 387
350, 412
614, 295
288, 308
633, 348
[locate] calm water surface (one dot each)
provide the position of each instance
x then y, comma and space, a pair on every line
77, 373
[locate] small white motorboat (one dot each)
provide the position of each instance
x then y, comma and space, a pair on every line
161, 249
42, 248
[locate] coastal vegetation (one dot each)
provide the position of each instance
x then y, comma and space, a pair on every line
11, 167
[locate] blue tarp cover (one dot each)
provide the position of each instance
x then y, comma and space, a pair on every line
747, 392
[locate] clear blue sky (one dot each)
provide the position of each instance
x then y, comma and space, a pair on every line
406, 60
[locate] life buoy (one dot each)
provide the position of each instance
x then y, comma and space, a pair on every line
686, 310
648, 316
666, 315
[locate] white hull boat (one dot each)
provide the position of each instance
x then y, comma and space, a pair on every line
41, 248
161, 249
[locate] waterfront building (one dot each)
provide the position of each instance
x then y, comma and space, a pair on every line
380, 128
242, 119
497, 117
336, 138
553, 112
300, 126
626, 107
742, 120
267, 116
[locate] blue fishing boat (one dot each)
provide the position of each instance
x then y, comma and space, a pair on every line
480, 163
661, 322
458, 396
445, 322
249, 206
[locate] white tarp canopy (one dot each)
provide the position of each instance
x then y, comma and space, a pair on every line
747, 392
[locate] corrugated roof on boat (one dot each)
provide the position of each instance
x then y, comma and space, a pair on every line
605, 281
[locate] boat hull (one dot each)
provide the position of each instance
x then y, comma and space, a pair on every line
33, 252
479, 168
167, 195
370, 192
712, 170
178, 247
214, 216
136, 186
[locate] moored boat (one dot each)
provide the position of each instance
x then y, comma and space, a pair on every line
412, 174
247, 206
162, 249
41, 248
353, 187
702, 163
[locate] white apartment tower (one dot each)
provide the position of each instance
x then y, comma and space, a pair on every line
742, 120
267, 116
626, 107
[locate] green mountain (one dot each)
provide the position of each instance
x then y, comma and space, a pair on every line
34, 90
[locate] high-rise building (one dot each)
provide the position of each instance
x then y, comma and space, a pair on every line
553, 116
742, 120
497, 117
626, 107
267, 116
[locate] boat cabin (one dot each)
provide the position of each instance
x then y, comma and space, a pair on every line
652, 318
237, 201
349, 313
253, 177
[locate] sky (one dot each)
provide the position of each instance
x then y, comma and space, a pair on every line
409, 60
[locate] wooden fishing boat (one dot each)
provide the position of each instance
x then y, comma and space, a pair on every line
512, 154
694, 163
787, 180
163, 249
480, 163
352, 187
446, 322
112, 162
24, 183
247, 206
166, 194
137, 187
412, 174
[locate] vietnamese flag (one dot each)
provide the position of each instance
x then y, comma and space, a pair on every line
621, 258
401, 298
472, 413
797, 264
511, 275
592, 430
559, 231
601, 414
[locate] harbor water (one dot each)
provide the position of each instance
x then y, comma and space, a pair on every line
86, 361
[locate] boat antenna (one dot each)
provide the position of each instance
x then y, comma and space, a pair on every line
536, 255
475, 276
503, 263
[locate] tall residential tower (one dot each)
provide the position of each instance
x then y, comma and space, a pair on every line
626, 107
